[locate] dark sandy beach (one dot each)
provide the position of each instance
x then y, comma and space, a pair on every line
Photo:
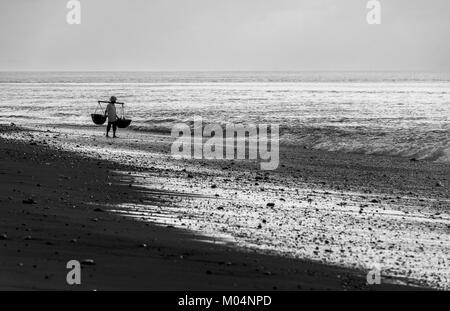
55, 207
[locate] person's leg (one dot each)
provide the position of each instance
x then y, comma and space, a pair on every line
108, 128
114, 128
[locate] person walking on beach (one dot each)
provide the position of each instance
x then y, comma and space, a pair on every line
111, 112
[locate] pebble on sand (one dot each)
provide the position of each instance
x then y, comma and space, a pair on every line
88, 262
28, 201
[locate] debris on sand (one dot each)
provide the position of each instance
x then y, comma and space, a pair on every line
28, 201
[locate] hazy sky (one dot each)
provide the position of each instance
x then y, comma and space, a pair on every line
224, 35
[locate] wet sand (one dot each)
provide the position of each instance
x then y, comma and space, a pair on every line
144, 219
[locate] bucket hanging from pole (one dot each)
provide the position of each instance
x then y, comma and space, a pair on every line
123, 122
98, 119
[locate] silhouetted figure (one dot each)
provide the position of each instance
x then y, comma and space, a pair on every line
112, 116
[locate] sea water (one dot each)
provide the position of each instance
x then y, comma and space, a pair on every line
392, 113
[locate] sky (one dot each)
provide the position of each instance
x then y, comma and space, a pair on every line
157, 35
